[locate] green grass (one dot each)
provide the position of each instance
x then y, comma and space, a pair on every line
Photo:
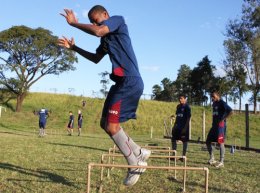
58, 163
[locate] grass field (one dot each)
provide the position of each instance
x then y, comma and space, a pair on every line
58, 163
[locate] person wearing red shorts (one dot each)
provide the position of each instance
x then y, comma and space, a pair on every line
123, 97
221, 111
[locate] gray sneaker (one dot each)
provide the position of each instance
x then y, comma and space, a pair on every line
220, 165
133, 174
212, 161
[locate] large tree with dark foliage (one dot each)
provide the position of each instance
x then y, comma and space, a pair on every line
245, 32
27, 55
201, 80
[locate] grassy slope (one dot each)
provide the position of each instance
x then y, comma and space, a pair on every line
57, 163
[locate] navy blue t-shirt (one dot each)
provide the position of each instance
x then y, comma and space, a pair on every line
220, 109
117, 44
43, 114
183, 113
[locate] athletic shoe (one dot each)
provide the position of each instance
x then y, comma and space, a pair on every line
212, 161
133, 174
145, 154
220, 165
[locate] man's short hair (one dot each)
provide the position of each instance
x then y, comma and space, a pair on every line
96, 8
182, 95
215, 92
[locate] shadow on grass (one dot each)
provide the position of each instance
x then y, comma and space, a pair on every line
80, 146
37, 173
12, 133
11, 128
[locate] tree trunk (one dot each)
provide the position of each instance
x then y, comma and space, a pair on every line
19, 102
255, 101
240, 98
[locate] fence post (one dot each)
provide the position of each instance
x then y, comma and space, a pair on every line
203, 125
190, 129
247, 126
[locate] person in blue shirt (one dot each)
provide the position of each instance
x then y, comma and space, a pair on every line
70, 124
80, 120
181, 129
43, 115
221, 111
123, 97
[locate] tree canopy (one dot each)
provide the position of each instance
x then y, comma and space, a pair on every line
27, 55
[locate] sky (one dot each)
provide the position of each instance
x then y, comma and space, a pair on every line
165, 34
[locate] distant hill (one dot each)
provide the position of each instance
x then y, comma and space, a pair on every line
151, 115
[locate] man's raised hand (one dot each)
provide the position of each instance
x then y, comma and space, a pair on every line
70, 16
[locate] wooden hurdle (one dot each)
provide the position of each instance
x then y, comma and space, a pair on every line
205, 169
159, 149
151, 156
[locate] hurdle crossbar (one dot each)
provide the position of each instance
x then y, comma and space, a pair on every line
161, 149
151, 156
91, 165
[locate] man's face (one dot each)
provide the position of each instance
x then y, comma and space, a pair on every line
182, 100
96, 18
214, 97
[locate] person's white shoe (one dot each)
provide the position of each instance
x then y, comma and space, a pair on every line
145, 154
219, 165
133, 174
212, 161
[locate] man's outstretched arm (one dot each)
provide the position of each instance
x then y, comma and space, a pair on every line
96, 30
70, 44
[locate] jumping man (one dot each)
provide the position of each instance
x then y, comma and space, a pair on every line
123, 97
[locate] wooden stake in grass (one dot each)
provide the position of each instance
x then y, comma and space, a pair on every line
92, 165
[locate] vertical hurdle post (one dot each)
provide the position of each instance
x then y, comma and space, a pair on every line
203, 125
206, 180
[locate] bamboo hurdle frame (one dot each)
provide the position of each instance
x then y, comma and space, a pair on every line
151, 156
160, 149
92, 165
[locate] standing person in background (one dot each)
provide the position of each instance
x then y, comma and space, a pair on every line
181, 127
123, 97
221, 111
43, 115
71, 123
80, 119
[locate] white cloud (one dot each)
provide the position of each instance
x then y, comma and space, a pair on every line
150, 68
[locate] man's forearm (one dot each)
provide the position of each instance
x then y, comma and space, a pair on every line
88, 55
88, 28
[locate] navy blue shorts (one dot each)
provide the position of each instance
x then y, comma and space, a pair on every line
122, 100
178, 135
42, 124
216, 134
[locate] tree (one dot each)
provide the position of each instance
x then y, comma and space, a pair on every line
236, 72
246, 32
201, 80
165, 93
27, 56
104, 82
182, 84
